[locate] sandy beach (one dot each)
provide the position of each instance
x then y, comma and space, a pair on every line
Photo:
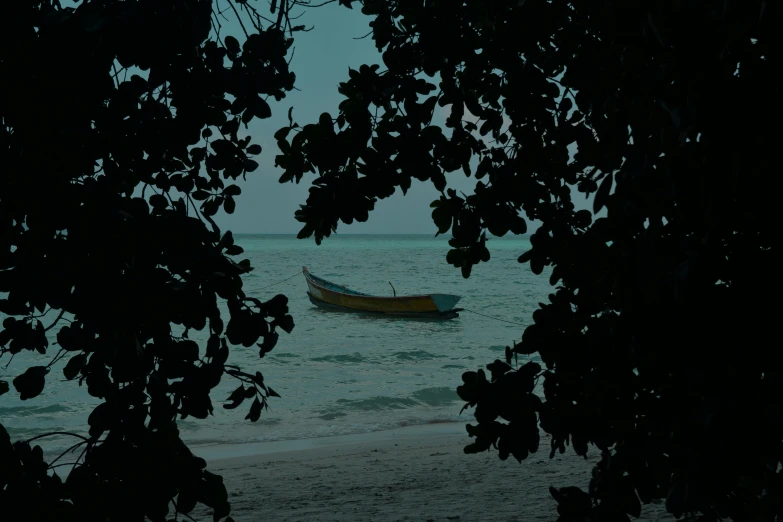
416, 473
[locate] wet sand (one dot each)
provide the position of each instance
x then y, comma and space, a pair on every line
417, 473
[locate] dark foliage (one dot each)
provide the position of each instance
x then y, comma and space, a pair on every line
657, 339
119, 125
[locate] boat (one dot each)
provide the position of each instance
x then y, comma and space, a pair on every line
326, 294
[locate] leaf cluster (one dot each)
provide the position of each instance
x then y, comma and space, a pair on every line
653, 340
119, 142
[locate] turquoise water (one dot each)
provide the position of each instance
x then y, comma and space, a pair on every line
337, 373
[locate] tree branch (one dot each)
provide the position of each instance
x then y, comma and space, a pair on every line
176, 510
42, 315
280, 14
56, 358
55, 321
51, 464
239, 18
303, 4
58, 433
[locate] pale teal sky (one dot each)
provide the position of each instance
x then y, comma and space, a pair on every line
321, 61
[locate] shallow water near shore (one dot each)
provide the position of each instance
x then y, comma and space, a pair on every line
337, 373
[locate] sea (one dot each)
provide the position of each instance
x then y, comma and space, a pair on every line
337, 373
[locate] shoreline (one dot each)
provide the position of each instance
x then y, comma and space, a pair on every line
414, 473
226, 451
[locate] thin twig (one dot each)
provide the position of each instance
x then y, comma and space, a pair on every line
80, 457
224, 16
58, 433
176, 510
258, 15
42, 315
316, 5
215, 228
256, 24
55, 321
57, 357
285, 4
239, 18
216, 29
198, 213
51, 464
116, 76
64, 464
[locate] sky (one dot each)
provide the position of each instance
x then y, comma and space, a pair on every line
321, 61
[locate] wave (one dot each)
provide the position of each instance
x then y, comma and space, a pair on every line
378, 403
285, 354
432, 397
332, 415
416, 355
26, 411
355, 357
440, 396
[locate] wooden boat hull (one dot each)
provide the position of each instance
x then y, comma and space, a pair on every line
336, 297
451, 314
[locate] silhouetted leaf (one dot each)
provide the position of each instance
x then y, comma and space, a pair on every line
573, 502
602, 194
250, 165
234, 250
261, 108
286, 323
498, 369
200, 195
232, 190
159, 201
583, 218
236, 398
537, 264
186, 500
74, 366
101, 419
232, 45
255, 411
270, 341
11, 308
31, 383
229, 205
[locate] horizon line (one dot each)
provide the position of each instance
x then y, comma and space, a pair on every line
368, 234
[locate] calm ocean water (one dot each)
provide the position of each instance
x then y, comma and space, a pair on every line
337, 373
